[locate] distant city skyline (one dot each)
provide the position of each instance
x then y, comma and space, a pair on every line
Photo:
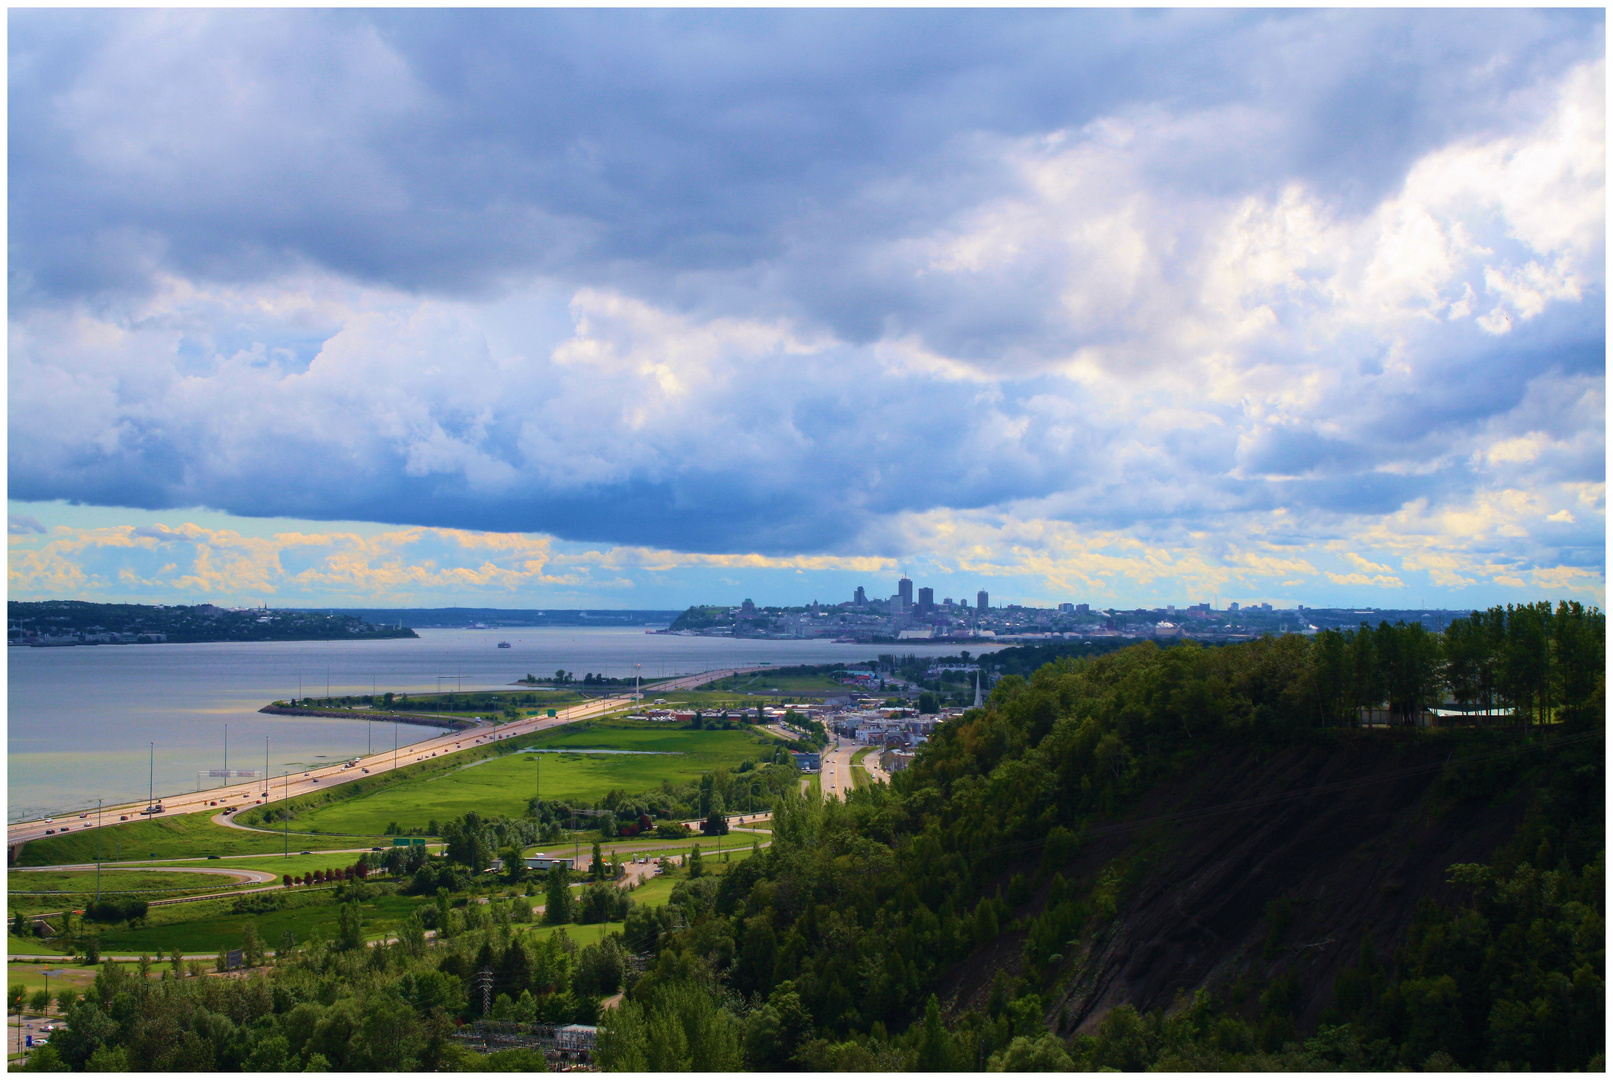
646, 308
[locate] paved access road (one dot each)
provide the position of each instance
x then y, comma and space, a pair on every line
256, 793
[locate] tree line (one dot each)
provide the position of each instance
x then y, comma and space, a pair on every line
828, 950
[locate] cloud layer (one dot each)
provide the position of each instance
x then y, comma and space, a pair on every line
849, 285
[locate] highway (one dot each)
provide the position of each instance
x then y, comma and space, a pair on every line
256, 793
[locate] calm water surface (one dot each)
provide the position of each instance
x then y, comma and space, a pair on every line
79, 720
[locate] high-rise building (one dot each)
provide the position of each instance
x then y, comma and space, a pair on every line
926, 599
904, 589
983, 600
861, 599
1068, 609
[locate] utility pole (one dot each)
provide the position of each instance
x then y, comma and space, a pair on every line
285, 818
226, 755
151, 777
97, 851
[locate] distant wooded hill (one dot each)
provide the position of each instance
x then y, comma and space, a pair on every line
73, 622
464, 616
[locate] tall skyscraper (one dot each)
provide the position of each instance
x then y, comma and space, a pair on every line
926, 599
861, 599
904, 589
983, 600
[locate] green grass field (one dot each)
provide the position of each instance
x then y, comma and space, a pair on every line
31, 946
503, 785
32, 976
277, 864
210, 930
63, 887
113, 880
588, 934
484, 700
186, 835
765, 682
860, 776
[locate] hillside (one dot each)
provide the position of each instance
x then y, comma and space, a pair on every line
1254, 864
75, 622
1191, 858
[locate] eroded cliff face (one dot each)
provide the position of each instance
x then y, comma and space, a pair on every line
1255, 866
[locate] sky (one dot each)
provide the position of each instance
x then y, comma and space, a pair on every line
646, 308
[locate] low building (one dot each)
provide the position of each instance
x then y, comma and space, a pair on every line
545, 863
808, 762
894, 761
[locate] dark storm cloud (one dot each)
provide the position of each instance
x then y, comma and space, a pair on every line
440, 150
824, 268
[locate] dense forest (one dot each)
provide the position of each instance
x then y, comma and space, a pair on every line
827, 951
973, 913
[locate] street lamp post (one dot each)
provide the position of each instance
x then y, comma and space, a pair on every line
97, 851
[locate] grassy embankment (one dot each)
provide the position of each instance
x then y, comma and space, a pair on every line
502, 785
860, 776
777, 682
184, 836
486, 702
36, 892
208, 926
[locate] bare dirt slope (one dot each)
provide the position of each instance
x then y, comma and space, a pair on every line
1350, 839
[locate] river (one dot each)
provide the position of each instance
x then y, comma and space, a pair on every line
80, 720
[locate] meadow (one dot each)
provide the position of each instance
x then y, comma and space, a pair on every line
40, 891
783, 681
208, 926
113, 881
503, 785
184, 836
31, 975
294, 864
